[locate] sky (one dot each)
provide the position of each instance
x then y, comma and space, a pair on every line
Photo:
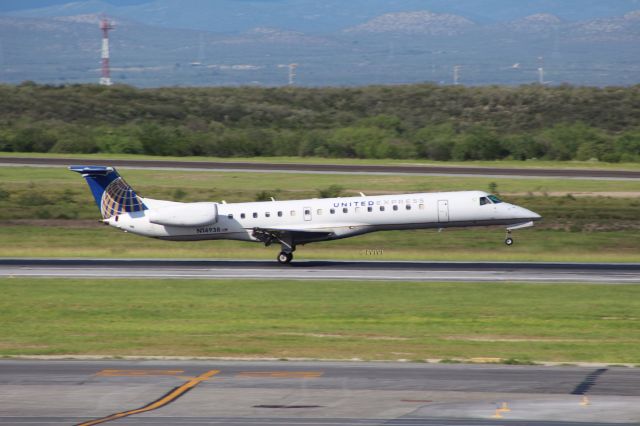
11, 5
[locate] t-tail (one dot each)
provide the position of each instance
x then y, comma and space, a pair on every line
112, 194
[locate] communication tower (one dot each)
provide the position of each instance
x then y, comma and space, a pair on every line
541, 70
105, 26
456, 75
292, 72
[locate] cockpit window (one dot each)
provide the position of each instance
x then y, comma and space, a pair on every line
495, 199
484, 200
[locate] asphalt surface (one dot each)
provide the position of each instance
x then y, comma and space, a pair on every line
314, 393
331, 168
609, 273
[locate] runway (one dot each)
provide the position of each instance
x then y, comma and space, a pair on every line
610, 273
313, 393
331, 168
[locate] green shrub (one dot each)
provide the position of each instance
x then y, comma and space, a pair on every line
333, 191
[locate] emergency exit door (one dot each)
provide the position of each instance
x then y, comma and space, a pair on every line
443, 211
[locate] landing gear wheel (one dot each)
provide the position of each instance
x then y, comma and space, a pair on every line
284, 258
508, 241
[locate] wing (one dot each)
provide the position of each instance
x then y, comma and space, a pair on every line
289, 237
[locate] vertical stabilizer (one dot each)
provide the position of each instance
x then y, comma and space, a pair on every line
112, 194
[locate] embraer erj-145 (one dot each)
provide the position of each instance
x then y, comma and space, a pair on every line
297, 222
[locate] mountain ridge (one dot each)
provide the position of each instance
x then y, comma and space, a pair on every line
392, 48
326, 16
416, 22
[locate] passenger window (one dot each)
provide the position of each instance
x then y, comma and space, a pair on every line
381, 208
279, 214
255, 215
395, 207
242, 215
307, 212
345, 210
332, 211
267, 214
408, 206
484, 200
230, 216
293, 212
369, 209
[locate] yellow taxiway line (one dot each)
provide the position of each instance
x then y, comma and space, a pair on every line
166, 399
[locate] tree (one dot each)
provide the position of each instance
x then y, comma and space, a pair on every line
478, 144
435, 142
33, 139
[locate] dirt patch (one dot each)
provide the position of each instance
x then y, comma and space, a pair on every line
507, 339
85, 223
611, 194
344, 336
15, 346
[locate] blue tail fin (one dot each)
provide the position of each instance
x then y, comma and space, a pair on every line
112, 194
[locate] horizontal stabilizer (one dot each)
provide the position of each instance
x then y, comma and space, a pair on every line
92, 170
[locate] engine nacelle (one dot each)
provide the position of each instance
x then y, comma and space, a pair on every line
184, 214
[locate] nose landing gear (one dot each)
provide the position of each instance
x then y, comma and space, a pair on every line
508, 240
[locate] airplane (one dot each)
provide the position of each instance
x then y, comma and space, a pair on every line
295, 222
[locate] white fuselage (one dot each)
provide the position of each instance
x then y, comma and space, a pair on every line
336, 217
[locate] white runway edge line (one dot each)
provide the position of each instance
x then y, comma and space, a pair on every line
341, 172
325, 270
373, 169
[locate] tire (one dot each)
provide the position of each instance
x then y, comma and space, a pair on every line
508, 241
284, 258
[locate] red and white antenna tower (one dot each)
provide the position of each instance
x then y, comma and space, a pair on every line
105, 26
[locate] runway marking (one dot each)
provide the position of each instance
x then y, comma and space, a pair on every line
588, 382
138, 373
280, 374
174, 394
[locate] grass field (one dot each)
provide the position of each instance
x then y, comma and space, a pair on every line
575, 228
28, 191
322, 160
481, 244
320, 319
49, 212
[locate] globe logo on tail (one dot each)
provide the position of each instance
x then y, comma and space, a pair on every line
118, 197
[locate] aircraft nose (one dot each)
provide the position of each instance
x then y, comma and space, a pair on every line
530, 214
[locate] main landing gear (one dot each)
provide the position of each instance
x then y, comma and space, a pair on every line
286, 253
287, 245
284, 257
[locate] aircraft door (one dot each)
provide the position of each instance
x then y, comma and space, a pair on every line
307, 214
443, 211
